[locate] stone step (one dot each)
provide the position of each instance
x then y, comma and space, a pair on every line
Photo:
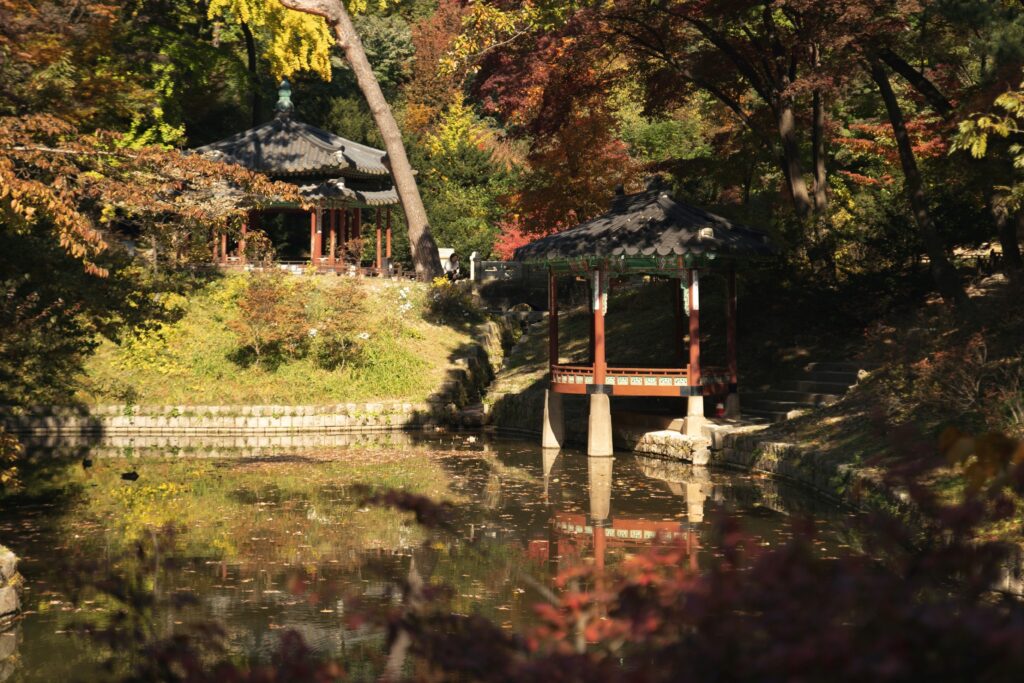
772, 406
767, 415
845, 378
840, 366
814, 386
805, 397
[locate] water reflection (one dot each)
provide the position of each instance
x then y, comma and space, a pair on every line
274, 543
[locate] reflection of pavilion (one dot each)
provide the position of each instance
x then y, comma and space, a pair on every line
575, 533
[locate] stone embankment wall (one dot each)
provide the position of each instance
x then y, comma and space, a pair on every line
185, 420
466, 380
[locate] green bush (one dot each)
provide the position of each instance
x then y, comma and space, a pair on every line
453, 301
271, 320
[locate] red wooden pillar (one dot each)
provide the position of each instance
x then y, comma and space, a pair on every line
379, 264
344, 234
694, 369
677, 308
732, 401
216, 244
387, 251
730, 329
357, 215
313, 251
600, 365
241, 242
694, 423
552, 320
224, 247
334, 237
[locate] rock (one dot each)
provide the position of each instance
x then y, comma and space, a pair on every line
8, 565
10, 603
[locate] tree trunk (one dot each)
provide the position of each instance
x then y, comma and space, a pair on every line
925, 87
946, 279
1006, 227
421, 242
254, 79
818, 147
791, 155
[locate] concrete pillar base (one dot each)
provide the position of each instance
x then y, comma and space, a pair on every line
599, 425
553, 429
732, 406
693, 425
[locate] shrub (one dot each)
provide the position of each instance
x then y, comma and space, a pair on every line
271, 318
336, 338
453, 300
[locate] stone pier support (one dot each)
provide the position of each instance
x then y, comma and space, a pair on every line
599, 425
553, 429
693, 425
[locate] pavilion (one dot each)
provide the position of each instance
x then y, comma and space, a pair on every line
339, 178
648, 233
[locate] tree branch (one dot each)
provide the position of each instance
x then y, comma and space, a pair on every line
918, 80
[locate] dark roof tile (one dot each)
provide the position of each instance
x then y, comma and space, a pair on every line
649, 224
284, 146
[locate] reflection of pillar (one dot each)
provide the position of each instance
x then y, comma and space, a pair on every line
548, 457
695, 402
698, 488
599, 484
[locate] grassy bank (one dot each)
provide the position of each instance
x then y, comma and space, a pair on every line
385, 345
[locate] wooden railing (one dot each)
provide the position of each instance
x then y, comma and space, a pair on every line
574, 379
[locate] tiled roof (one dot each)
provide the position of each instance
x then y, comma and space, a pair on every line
649, 224
335, 189
285, 147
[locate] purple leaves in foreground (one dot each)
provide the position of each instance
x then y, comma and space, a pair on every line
429, 513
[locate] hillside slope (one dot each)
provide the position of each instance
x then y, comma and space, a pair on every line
391, 347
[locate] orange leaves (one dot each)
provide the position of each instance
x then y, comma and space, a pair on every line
71, 184
985, 459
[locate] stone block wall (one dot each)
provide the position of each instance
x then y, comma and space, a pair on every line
250, 419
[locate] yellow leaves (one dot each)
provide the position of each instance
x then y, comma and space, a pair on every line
298, 41
484, 27
458, 127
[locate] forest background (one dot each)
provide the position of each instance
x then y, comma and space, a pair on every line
877, 140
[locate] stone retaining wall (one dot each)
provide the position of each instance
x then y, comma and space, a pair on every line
185, 420
466, 379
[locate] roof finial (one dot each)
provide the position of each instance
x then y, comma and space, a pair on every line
284, 98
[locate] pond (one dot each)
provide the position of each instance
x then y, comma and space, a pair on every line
275, 536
